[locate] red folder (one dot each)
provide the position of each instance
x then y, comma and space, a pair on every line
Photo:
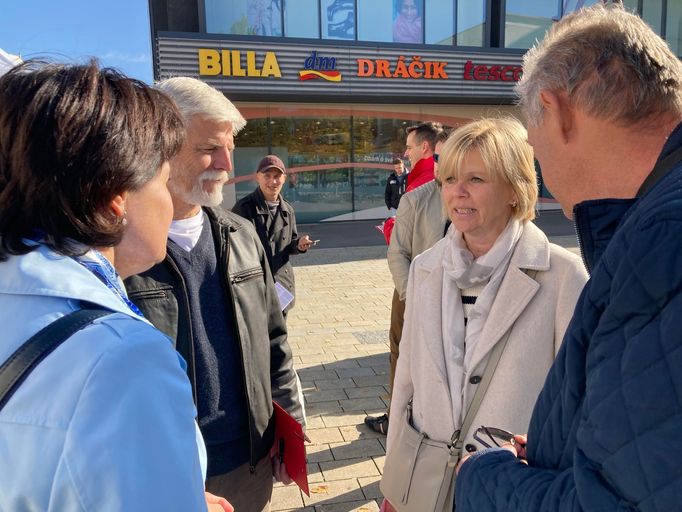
290, 447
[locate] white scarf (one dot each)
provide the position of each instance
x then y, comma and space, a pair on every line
461, 271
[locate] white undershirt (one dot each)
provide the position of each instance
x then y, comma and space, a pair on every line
186, 232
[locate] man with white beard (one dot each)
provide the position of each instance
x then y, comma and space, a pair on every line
214, 296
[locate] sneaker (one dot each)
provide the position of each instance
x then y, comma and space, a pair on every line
378, 423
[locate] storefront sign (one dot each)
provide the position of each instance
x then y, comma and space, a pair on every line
481, 72
415, 68
258, 69
316, 66
230, 63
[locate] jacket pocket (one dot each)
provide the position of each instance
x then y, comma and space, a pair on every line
246, 275
160, 294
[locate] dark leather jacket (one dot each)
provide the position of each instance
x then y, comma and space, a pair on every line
278, 235
266, 357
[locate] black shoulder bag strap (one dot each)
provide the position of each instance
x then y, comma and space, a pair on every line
15, 370
660, 170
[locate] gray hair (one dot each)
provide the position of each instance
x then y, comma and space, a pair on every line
608, 62
194, 97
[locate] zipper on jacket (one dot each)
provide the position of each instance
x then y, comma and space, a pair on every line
190, 333
581, 247
149, 294
225, 249
246, 275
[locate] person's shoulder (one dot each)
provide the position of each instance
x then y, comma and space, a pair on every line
422, 191
433, 256
561, 256
227, 219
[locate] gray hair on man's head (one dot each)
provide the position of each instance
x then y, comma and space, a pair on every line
194, 97
609, 63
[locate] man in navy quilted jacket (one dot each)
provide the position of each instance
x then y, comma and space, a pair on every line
602, 94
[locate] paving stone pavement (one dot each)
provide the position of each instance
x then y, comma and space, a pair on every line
338, 332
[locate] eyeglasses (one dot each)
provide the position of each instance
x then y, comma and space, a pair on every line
489, 436
435, 157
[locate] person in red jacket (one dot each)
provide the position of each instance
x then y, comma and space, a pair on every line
421, 142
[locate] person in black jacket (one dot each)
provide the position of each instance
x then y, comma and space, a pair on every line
215, 297
274, 221
395, 185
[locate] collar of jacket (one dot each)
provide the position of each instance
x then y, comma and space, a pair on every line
531, 252
596, 221
421, 173
217, 214
261, 205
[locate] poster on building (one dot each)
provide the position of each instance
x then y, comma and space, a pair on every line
407, 21
264, 17
338, 19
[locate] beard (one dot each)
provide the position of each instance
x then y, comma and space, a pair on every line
196, 194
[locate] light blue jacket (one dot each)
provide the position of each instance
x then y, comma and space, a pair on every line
105, 422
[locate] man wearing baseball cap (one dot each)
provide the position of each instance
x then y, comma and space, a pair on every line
274, 221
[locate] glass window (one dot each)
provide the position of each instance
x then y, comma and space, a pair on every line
574, 5
527, 21
315, 151
249, 17
673, 26
251, 145
652, 11
369, 12
470, 22
630, 5
301, 18
440, 20
407, 21
338, 19
376, 142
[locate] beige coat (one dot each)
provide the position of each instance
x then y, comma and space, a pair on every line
537, 309
419, 223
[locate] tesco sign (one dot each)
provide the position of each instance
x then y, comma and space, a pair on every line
483, 72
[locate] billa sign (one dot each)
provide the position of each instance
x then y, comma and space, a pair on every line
233, 63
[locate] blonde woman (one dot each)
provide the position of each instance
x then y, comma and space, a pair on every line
494, 278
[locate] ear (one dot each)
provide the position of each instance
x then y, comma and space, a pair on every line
558, 114
118, 205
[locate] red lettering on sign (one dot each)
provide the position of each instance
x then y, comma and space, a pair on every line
495, 73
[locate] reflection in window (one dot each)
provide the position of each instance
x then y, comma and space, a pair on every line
376, 141
251, 145
630, 5
338, 19
248, 17
407, 21
527, 21
301, 18
673, 27
652, 11
440, 18
322, 143
574, 5
470, 22
369, 11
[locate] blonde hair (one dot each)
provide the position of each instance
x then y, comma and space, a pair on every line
504, 149
608, 62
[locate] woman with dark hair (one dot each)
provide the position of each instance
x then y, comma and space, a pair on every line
105, 421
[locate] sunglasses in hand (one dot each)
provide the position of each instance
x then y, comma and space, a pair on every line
491, 436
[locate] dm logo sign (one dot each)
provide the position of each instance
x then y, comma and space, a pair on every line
319, 67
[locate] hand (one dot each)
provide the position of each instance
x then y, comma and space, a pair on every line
279, 471
217, 504
304, 243
507, 446
520, 441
